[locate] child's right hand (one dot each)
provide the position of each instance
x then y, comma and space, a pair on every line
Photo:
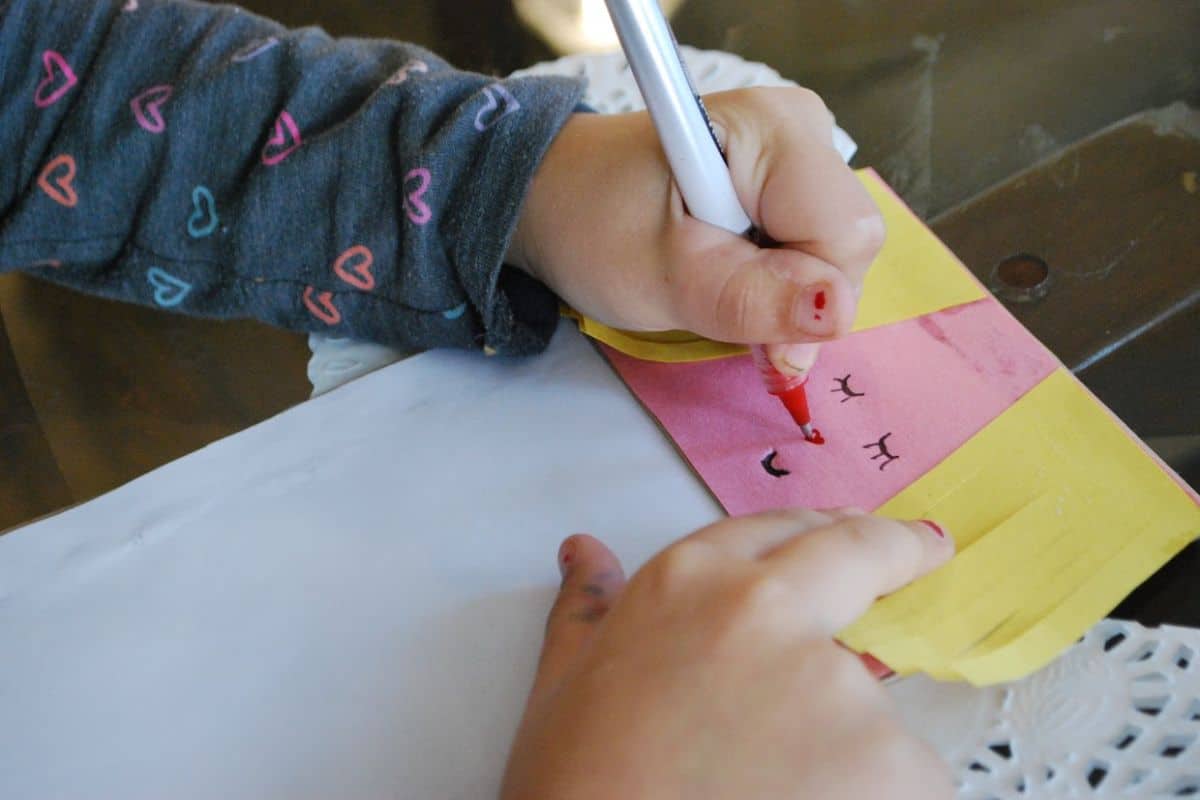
605, 227
714, 672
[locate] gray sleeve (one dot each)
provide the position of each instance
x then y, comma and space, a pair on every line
201, 159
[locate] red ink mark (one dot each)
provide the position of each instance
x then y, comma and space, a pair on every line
934, 527
566, 556
817, 438
819, 301
817, 317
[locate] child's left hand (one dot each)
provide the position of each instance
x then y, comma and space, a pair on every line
605, 227
714, 672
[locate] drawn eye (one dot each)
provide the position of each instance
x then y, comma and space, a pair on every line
843, 387
768, 463
883, 452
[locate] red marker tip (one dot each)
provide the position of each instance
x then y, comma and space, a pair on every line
795, 400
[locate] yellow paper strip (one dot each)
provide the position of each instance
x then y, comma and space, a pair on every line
1039, 503
914, 275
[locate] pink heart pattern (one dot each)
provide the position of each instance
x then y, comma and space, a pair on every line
285, 141
320, 305
59, 80
354, 267
147, 108
60, 187
414, 206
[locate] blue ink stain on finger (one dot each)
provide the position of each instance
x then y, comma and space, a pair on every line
455, 312
169, 291
204, 218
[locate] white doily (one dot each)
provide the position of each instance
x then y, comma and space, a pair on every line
1117, 716
611, 89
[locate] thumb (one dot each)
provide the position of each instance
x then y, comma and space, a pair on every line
592, 580
792, 360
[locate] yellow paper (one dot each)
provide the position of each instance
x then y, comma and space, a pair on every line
1049, 541
914, 275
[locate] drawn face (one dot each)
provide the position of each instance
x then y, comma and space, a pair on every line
892, 402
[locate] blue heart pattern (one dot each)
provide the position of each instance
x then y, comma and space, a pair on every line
456, 312
169, 291
204, 219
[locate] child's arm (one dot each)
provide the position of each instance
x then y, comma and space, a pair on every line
205, 160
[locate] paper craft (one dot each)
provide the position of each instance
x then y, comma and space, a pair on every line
958, 415
1071, 518
911, 277
345, 601
887, 421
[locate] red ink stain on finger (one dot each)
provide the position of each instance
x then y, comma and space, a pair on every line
566, 555
819, 301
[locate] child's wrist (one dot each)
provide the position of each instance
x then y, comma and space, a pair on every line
523, 249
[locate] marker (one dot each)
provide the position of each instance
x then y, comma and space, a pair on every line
695, 155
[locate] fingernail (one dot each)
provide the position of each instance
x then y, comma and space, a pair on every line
814, 310
877, 668
566, 557
933, 526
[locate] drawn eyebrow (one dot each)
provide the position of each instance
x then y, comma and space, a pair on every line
883, 453
844, 388
768, 463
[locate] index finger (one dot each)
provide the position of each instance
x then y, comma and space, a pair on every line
842, 568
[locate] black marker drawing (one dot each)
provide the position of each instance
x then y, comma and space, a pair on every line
844, 388
768, 463
883, 453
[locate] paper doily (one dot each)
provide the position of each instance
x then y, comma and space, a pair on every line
610, 90
1116, 716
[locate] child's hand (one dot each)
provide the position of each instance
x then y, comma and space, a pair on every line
714, 672
605, 227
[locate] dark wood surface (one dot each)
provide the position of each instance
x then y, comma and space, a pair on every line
992, 119
1116, 218
96, 393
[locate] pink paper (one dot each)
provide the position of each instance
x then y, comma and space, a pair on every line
921, 387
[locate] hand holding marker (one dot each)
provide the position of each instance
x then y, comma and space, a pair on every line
696, 159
